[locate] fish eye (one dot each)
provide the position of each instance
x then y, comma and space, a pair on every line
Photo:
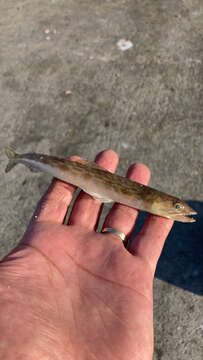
178, 206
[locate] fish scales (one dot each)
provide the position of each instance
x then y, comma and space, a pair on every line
118, 183
112, 181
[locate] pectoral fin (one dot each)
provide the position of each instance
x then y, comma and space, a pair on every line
97, 196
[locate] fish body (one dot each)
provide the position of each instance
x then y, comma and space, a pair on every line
104, 186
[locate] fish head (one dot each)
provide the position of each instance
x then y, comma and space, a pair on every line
173, 208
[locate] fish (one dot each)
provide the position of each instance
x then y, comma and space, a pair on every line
103, 185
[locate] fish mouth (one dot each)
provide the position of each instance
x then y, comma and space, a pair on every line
184, 217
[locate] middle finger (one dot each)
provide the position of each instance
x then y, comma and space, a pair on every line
86, 209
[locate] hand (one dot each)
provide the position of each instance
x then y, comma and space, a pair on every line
68, 292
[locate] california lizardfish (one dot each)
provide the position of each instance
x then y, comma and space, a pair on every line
105, 186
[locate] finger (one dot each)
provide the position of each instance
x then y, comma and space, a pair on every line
86, 209
150, 240
54, 203
122, 217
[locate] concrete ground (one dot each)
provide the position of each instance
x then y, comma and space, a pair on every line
66, 88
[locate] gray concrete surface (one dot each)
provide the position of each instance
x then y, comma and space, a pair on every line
146, 103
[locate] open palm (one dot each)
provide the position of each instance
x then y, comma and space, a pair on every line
69, 292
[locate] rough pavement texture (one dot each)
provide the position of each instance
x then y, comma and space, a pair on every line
146, 103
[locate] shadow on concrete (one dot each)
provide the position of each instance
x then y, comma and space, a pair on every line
181, 261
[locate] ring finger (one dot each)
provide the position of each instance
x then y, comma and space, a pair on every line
122, 217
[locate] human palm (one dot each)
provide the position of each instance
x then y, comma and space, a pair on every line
69, 292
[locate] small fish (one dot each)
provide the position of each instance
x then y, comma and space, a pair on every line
105, 186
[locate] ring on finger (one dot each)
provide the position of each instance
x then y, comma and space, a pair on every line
117, 232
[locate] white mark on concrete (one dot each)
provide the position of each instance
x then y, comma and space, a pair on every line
48, 38
191, 61
201, 327
196, 13
125, 145
124, 45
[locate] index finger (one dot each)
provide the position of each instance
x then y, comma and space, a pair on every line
53, 205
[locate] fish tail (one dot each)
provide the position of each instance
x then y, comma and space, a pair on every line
12, 158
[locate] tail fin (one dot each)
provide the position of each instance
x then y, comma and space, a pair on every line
12, 159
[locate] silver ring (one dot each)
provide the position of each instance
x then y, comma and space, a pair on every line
117, 232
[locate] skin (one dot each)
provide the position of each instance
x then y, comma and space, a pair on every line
67, 292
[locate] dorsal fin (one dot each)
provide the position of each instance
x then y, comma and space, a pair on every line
91, 164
